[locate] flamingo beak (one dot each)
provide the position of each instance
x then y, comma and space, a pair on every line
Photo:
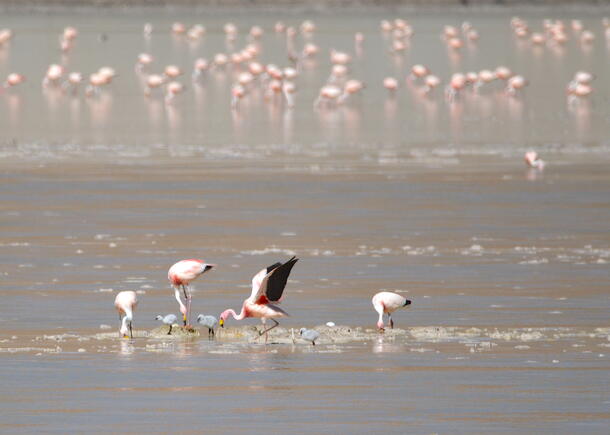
125, 336
221, 322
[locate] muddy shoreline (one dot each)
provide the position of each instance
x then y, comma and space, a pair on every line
419, 339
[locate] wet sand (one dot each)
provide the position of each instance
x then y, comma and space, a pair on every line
507, 267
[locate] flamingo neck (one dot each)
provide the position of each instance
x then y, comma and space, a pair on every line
239, 316
128, 314
380, 321
379, 308
127, 318
182, 306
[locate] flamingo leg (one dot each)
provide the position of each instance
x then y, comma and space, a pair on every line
188, 307
186, 298
391, 321
130, 331
269, 329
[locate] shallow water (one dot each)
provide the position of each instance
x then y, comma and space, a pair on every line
507, 267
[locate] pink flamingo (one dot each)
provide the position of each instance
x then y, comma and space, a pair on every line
5, 35
279, 27
328, 93
515, 83
472, 35
587, 37
352, 87
153, 81
238, 92
172, 71
267, 286
456, 84
538, 38
533, 161
308, 26
431, 81
310, 50
144, 59
180, 275
178, 28
13, 79
387, 303
391, 84
339, 57
125, 303
455, 43
173, 89
200, 67
53, 75
418, 71
196, 32
288, 90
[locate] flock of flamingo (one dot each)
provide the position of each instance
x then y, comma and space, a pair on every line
249, 71
267, 289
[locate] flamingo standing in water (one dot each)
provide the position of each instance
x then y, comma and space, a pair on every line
125, 303
180, 275
533, 161
387, 303
267, 286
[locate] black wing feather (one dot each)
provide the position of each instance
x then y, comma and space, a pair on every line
276, 280
273, 266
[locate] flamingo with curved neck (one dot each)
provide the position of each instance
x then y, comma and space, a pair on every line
387, 303
125, 302
267, 286
180, 276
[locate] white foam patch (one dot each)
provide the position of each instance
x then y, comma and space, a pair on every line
269, 250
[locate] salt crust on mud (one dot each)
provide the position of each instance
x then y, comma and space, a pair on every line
329, 335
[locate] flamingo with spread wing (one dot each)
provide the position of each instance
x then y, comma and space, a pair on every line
267, 287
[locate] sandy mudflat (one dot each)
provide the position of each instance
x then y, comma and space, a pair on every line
445, 339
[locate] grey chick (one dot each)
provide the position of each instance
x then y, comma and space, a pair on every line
170, 319
209, 322
309, 335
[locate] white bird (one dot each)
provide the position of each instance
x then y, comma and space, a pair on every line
309, 335
387, 303
125, 303
209, 322
170, 319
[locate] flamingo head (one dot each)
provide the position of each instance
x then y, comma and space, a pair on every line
380, 325
124, 331
183, 311
223, 317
